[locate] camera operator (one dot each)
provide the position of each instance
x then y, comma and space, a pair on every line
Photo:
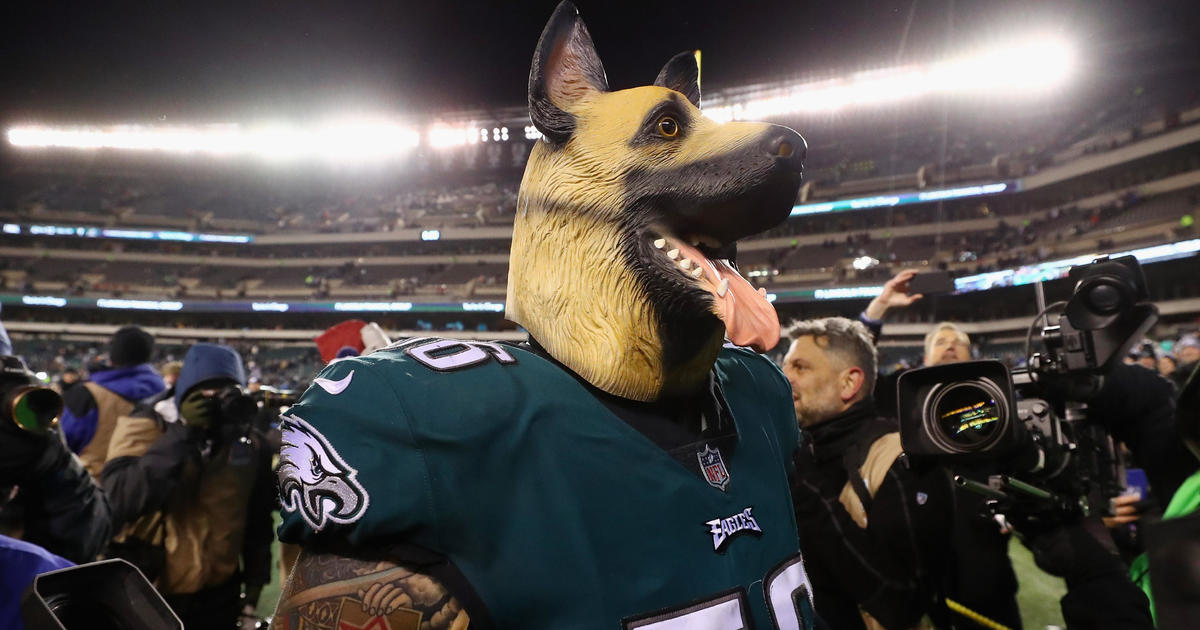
1184, 502
191, 491
50, 501
880, 544
986, 582
1136, 406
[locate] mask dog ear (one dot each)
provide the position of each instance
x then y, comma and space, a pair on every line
565, 69
682, 74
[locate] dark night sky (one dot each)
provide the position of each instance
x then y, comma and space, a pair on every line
181, 62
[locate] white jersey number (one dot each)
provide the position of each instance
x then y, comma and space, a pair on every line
788, 594
447, 355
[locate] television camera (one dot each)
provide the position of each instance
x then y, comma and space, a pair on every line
1030, 425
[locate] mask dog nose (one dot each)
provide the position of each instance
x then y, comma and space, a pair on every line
787, 147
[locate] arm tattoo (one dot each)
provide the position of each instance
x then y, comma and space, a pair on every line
329, 592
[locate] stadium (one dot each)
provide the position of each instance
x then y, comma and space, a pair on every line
1001, 156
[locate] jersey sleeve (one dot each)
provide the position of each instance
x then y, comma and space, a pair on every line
778, 398
350, 469
775, 395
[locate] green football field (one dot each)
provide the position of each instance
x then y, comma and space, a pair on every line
1038, 596
1039, 593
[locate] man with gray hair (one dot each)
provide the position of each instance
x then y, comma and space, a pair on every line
873, 524
852, 364
947, 343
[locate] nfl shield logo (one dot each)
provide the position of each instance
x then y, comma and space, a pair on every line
713, 467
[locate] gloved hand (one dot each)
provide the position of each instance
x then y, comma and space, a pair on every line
199, 411
1077, 551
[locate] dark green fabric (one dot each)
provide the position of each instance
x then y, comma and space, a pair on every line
559, 514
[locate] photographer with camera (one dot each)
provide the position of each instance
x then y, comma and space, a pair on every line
55, 513
191, 491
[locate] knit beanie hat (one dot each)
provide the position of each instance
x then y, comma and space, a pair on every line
130, 346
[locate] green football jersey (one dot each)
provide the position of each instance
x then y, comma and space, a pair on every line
558, 513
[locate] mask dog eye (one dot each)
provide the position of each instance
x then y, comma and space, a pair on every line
668, 127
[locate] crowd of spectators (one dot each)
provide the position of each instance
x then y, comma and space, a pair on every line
211, 205
285, 367
1019, 236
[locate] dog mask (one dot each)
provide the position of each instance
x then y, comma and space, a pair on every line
622, 262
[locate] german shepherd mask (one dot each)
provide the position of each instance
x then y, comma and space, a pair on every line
624, 243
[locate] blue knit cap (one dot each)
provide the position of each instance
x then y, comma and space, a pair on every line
205, 361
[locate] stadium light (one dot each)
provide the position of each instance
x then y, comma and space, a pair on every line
444, 136
339, 140
863, 263
1029, 66
1017, 69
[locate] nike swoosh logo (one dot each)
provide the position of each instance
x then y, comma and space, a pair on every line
334, 387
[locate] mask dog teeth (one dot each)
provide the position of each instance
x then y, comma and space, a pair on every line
660, 243
697, 272
673, 254
723, 288
686, 264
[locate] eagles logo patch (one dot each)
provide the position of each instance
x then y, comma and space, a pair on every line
724, 529
314, 480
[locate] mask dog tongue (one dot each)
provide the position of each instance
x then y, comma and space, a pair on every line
750, 320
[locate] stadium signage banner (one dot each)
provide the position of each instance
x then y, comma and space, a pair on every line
253, 307
1028, 274
900, 199
84, 231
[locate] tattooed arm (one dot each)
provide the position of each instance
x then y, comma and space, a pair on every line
331, 592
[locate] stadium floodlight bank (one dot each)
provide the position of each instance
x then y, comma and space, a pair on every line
1030, 66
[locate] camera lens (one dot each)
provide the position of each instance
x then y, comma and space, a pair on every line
966, 417
34, 408
76, 613
1105, 299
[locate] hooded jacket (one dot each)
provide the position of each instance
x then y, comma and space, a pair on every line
203, 501
206, 361
91, 409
